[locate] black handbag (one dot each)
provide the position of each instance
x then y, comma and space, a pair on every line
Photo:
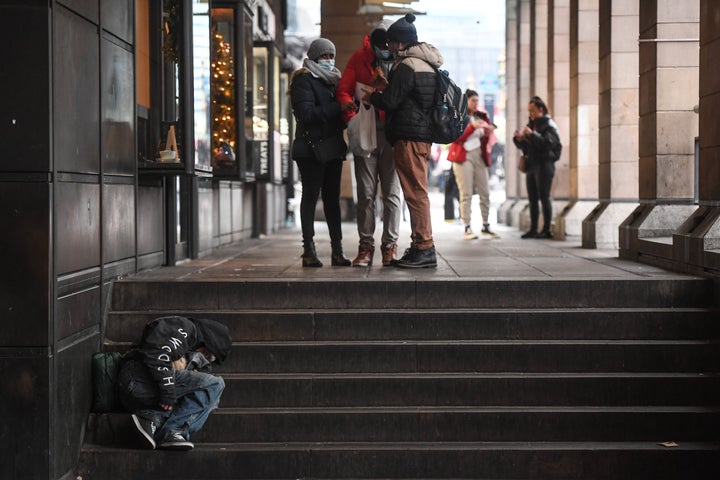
328, 149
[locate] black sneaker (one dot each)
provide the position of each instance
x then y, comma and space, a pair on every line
174, 440
529, 234
146, 428
544, 234
418, 258
487, 233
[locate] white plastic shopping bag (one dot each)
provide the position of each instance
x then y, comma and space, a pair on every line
362, 136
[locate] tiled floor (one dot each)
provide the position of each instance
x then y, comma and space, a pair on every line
508, 257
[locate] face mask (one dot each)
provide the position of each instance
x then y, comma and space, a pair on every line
385, 54
326, 64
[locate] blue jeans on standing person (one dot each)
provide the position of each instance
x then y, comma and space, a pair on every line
197, 395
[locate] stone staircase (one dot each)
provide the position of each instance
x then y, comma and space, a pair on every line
554, 379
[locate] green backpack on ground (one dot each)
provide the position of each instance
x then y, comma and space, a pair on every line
105, 367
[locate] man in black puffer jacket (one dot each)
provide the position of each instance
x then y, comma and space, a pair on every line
407, 99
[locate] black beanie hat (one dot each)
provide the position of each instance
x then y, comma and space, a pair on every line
403, 30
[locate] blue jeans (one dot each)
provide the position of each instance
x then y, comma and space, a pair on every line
197, 395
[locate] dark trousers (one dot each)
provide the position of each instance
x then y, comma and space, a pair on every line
538, 183
451, 194
320, 178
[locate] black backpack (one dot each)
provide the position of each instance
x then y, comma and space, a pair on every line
447, 116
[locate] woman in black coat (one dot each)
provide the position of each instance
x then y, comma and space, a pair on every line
540, 143
319, 127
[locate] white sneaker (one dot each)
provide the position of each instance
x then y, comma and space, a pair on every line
174, 440
146, 429
469, 235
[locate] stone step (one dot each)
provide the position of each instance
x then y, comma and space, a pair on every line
445, 424
531, 356
442, 324
480, 461
650, 292
468, 389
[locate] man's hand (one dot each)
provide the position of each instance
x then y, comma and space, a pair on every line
367, 92
166, 406
348, 107
180, 363
527, 131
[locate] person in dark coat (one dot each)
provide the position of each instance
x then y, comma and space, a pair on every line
540, 143
166, 381
318, 115
407, 100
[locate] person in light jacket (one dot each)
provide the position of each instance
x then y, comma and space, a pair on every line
471, 168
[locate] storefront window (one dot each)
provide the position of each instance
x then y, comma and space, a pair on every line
248, 167
201, 84
222, 89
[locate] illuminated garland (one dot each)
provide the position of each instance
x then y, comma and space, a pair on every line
222, 88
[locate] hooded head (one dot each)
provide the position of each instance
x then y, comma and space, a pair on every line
215, 337
319, 47
378, 35
403, 30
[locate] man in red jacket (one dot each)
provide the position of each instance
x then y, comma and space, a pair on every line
372, 165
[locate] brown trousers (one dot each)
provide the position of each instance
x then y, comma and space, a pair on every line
411, 163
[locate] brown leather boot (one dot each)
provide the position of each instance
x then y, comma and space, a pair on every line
389, 250
338, 259
309, 256
365, 255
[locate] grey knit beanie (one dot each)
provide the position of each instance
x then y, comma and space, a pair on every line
319, 47
403, 30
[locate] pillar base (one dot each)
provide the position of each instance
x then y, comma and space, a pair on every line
504, 209
600, 227
647, 234
696, 243
569, 220
514, 215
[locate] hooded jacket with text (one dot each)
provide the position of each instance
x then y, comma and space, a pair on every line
166, 339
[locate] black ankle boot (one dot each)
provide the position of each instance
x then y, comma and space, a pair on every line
309, 256
338, 258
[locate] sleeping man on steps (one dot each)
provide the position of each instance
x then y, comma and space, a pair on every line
166, 383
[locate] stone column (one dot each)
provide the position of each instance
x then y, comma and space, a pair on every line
618, 122
558, 100
539, 45
511, 113
696, 243
583, 142
669, 78
346, 29
522, 94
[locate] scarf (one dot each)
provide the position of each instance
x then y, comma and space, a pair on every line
330, 77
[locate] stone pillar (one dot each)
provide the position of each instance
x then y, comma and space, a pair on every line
696, 243
618, 122
669, 79
522, 95
583, 141
346, 29
539, 45
511, 156
540, 67
558, 101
